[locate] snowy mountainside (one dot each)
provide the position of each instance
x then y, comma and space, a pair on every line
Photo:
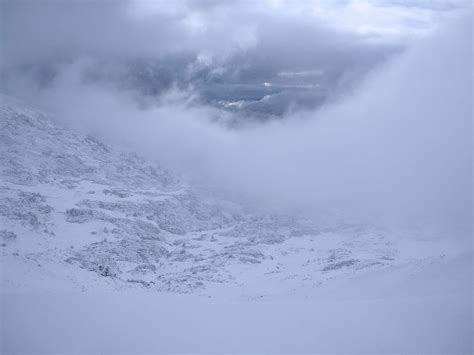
77, 214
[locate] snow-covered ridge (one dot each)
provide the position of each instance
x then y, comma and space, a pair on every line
77, 211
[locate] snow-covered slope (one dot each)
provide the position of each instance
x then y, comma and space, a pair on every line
86, 231
74, 209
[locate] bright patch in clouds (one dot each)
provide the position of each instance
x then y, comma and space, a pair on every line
383, 18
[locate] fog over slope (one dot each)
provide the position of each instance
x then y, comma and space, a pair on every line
385, 134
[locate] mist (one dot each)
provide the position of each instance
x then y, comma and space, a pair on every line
203, 176
395, 145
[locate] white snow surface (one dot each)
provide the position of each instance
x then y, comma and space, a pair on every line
102, 251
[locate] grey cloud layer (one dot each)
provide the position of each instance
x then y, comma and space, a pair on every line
187, 44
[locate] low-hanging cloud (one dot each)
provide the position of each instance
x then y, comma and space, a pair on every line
398, 147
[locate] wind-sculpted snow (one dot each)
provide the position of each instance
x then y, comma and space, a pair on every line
70, 204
